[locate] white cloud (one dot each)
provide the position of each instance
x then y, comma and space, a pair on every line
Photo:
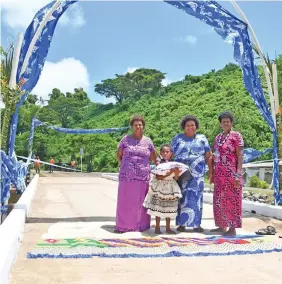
189, 39
109, 100
67, 74
130, 69
2, 105
74, 17
18, 14
165, 82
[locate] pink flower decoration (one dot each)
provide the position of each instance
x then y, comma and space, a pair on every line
51, 241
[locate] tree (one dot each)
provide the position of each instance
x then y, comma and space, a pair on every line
278, 62
27, 112
56, 94
81, 95
144, 81
32, 99
131, 85
10, 95
115, 88
192, 79
279, 116
65, 108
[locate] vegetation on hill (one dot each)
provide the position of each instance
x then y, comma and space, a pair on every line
140, 92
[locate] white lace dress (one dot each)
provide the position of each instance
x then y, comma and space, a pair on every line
163, 197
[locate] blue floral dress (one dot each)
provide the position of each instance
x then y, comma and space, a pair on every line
191, 151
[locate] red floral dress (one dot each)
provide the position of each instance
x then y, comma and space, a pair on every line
227, 198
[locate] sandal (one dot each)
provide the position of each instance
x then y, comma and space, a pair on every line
267, 231
198, 230
272, 229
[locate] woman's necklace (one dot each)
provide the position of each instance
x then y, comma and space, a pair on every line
222, 141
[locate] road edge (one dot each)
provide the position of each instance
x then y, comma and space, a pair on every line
12, 230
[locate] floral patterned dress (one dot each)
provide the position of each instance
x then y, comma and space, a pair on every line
227, 198
134, 177
191, 151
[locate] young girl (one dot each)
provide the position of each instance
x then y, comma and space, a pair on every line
164, 194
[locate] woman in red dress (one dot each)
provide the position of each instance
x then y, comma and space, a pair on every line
228, 160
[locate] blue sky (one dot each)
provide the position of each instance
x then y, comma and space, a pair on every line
96, 40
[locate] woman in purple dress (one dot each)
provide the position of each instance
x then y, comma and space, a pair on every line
134, 154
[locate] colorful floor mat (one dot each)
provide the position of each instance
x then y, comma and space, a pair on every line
153, 247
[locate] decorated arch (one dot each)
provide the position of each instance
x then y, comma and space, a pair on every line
38, 37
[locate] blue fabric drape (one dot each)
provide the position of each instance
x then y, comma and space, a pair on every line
29, 76
251, 154
12, 172
36, 122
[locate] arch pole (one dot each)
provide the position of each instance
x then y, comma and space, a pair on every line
15, 62
264, 65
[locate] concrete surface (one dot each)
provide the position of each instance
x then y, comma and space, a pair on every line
75, 197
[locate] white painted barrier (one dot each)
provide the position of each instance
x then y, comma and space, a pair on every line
12, 229
111, 176
248, 206
254, 207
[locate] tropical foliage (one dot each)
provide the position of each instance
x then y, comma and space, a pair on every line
9, 95
141, 92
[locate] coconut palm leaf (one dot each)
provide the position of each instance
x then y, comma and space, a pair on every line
7, 61
266, 58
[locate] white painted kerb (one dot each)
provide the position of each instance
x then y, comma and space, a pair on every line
12, 229
248, 206
254, 207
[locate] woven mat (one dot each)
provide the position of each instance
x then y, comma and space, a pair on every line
153, 247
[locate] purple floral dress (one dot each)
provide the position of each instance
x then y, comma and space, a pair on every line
134, 177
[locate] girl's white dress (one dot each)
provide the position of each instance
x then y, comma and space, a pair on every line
163, 197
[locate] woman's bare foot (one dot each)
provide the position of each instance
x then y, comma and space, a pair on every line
198, 230
230, 232
218, 230
169, 231
181, 229
158, 231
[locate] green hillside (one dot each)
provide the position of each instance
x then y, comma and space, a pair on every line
204, 96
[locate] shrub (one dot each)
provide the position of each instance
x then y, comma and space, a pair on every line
263, 184
254, 181
258, 183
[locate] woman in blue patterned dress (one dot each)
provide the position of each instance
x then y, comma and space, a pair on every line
193, 150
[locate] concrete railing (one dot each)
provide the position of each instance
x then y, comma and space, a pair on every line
262, 209
12, 230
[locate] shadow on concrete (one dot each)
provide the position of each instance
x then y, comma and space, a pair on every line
109, 228
254, 215
71, 219
150, 233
